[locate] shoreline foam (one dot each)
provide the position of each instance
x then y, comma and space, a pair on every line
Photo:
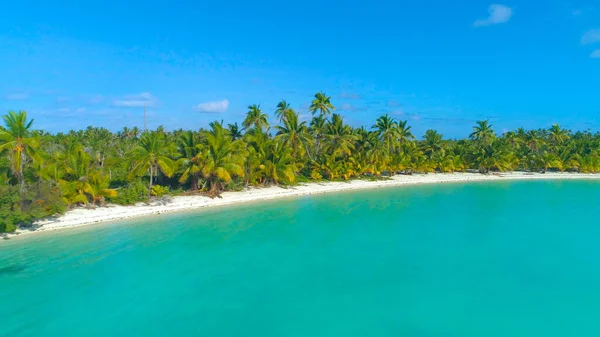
80, 217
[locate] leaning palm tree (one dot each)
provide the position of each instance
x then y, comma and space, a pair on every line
18, 140
256, 117
154, 153
321, 104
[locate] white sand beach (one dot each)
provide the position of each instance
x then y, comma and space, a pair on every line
85, 216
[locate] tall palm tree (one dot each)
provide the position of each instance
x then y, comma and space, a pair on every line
321, 104
283, 108
256, 117
386, 129
404, 132
18, 140
153, 154
483, 132
317, 129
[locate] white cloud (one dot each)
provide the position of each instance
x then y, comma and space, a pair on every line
136, 101
80, 110
213, 107
498, 14
595, 54
591, 36
17, 96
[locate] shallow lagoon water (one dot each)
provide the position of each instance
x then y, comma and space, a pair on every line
466, 259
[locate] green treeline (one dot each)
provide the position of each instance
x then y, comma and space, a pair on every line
43, 174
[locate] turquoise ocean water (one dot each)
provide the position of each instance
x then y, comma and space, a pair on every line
479, 259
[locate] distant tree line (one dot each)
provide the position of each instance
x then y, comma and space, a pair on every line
43, 174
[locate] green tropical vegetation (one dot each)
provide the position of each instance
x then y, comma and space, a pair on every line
43, 174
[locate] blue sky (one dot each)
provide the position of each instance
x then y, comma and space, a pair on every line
437, 64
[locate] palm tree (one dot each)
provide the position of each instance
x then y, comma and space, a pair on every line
278, 165
98, 188
294, 133
491, 157
153, 154
534, 140
222, 157
317, 129
482, 132
432, 143
321, 104
513, 140
339, 136
327, 166
73, 192
386, 128
235, 131
283, 108
17, 139
404, 133
256, 117
190, 152
256, 146
557, 135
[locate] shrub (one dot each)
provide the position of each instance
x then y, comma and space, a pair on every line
39, 200
131, 194
159, 191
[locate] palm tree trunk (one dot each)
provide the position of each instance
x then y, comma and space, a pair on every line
213, 188
308, 152
317, 146
21, 177
150, 186
194, 182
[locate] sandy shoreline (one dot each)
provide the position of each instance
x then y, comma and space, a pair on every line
81, 216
